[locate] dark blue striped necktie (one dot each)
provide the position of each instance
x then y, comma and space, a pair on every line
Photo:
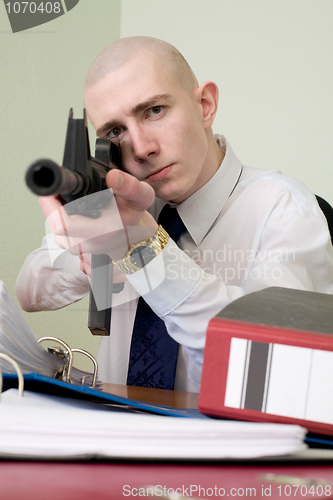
153, 354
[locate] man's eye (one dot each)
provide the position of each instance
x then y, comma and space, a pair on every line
155, 110
114, 132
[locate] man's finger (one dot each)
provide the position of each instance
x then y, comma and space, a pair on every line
49, 204
139, 194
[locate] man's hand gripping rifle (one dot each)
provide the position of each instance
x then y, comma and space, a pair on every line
82, 175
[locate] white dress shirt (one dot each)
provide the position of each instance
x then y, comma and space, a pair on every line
247, 229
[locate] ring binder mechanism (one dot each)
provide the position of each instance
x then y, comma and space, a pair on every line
94, 363
65, 371
18, 342
65, 355
18, 371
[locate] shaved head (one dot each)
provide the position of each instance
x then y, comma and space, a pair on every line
141, 92
116, 55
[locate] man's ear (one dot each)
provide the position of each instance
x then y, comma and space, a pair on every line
208, 96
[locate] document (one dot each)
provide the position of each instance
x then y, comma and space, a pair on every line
44, 426
18, 341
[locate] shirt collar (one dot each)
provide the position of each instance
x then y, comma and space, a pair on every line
200, 210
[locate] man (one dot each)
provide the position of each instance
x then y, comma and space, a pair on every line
246, 229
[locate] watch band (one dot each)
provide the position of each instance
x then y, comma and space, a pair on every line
154, 245
162, 236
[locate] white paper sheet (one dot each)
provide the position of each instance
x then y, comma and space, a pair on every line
38, 425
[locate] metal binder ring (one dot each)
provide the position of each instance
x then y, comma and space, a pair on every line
95, 366
70, 355
18, 371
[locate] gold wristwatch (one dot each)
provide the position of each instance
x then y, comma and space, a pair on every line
140, 254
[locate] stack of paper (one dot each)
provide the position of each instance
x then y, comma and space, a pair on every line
18, 341
38, 425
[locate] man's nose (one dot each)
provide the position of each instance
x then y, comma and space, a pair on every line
144, 144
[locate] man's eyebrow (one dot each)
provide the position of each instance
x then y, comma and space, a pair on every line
149, 102
107, 126
134, 111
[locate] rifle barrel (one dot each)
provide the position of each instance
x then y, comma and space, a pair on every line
44, 178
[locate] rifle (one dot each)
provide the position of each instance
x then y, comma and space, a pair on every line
82, 175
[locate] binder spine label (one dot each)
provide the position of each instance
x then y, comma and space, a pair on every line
255, 386
284, 380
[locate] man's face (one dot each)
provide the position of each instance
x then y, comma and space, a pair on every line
158, 124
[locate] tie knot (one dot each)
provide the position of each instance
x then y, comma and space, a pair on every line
170, 221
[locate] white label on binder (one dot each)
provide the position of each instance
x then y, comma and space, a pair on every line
277, 379
289, 379
237, 359
320, 400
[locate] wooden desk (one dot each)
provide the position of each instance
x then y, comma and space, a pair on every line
175, 399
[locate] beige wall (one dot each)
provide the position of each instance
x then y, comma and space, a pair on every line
273, 62
41, 77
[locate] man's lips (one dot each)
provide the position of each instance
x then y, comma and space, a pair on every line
159, 175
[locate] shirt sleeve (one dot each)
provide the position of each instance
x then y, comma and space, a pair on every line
50, 279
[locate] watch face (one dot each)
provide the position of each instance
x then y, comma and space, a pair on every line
142, 255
